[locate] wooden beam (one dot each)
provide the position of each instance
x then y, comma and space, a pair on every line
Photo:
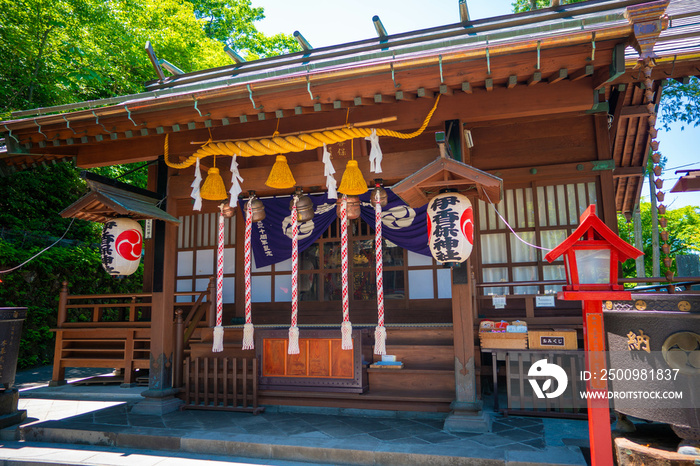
338, 104
602, 135
512, 81
466, 87
445, 90
384, 99
360, 101
558, 76
423, 93
535, 78
626, 172
405, 96
488, 83
632, 111
582, 73
319, 107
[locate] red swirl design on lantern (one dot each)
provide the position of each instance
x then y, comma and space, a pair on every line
466, 223
129, 244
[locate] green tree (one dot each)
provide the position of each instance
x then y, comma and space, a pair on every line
55, 52
61, 51
681, 103
683, 227
526, 5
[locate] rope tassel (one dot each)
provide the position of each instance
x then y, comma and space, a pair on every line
380, 340
380, 332
248, 342
293, 329
218, 345
280, 176
352, 183
293, 340
346, 332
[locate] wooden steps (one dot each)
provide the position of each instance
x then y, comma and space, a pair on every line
126, 348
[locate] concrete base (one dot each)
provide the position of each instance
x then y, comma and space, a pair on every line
9, 414
7, 420
158, 402
467, 417
57, 383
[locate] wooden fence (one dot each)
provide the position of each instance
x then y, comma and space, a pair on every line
223, 384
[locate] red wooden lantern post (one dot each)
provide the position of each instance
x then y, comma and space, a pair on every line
591, 256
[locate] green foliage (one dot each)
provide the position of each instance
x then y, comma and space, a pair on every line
680, 103
683, 236
232, 24
36, 286
526, 5
60, 51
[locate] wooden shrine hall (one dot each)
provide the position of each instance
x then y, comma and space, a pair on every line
532, 117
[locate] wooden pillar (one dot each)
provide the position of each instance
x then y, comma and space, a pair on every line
607, 184
466, 414
598, 406
160, 394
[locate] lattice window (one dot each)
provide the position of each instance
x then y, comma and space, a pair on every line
196, 254
543, 215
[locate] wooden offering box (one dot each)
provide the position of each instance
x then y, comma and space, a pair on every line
503, 340
563, 339
321, 365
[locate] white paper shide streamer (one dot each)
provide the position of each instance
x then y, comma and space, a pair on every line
328, 170
236, 181
375, 154
196, 185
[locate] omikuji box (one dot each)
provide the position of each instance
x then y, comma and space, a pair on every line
564, 339
503, 340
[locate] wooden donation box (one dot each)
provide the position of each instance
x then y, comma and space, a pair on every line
321, 365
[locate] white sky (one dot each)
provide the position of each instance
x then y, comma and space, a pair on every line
332, 22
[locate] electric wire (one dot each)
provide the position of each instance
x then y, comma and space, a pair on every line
40, 252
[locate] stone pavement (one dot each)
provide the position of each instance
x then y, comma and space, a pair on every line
102, 420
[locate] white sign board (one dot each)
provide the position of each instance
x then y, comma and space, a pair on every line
499, 302
544, 301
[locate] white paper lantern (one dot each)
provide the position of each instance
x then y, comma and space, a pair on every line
450, 227
122, 242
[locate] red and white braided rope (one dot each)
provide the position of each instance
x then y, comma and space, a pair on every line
380, 332
346, 326
218, 330
220, 272
248, 342
293, 330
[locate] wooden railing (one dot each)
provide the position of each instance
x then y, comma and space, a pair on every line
106, 309
113, 331
185, 327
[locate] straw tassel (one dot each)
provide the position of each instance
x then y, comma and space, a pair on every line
352, 183
293, 340
248, 342
213, 188
281, 176
218, 345
380, 340
196, 184
346, 332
